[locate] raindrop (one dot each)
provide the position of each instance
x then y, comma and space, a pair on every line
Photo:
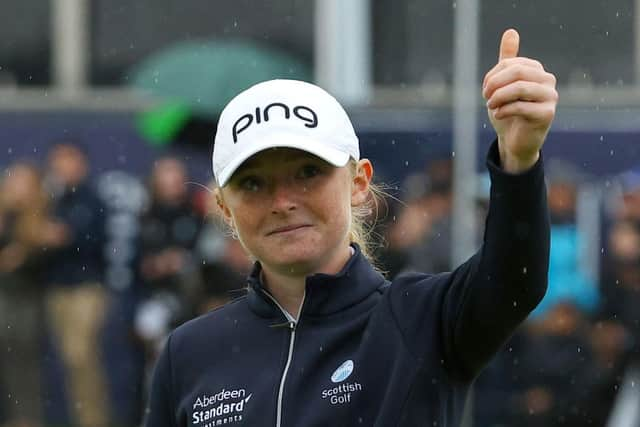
515, 303
235, 24
579, 349
611, 152
601, 137
524, 270
406, 162
35, 149
606, 33
10, 150
453, 154
455, 5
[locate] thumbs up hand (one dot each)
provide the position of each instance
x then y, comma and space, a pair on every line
521, 102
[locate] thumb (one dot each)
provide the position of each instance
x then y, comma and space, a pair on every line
509, 44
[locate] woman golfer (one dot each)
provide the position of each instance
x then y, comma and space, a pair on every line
321, 338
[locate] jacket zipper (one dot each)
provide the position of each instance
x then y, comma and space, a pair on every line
292, 325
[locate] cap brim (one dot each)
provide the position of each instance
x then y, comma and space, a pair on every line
333, 156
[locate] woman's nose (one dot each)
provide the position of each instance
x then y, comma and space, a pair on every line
283, 197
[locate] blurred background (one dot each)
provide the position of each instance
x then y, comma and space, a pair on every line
109, 236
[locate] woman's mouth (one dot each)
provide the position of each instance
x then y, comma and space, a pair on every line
287, 229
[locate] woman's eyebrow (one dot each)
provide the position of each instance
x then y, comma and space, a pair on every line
281, 157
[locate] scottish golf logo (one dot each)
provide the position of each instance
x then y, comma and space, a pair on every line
222, 408
343, 372
344, 391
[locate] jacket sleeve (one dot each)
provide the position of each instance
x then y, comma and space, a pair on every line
493, 292
478, 305
160, 409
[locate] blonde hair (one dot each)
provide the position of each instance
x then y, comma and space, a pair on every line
364, 219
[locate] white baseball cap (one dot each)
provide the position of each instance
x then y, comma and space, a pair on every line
282, 113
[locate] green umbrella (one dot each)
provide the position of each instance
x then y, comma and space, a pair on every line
202, 76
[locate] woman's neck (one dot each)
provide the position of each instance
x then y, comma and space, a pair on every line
289, 289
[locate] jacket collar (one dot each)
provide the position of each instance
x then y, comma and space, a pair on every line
325, 293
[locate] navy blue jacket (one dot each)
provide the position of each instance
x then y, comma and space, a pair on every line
364, 351
81, 259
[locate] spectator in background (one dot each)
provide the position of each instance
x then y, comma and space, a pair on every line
620, 318
224, 265
170, 228
556, 368
26, 232
629, 208
433, 251
419, 236
76, 300
567, 280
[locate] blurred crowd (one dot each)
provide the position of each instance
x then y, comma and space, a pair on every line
96, 270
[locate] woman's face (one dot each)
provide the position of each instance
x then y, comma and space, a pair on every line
292, 210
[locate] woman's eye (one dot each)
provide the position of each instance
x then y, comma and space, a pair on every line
250, 184
309, 171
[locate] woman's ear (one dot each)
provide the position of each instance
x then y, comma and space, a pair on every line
224, 210
361, 182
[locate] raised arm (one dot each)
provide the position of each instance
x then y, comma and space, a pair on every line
495, 291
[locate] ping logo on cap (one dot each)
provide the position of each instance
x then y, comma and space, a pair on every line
301, 112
